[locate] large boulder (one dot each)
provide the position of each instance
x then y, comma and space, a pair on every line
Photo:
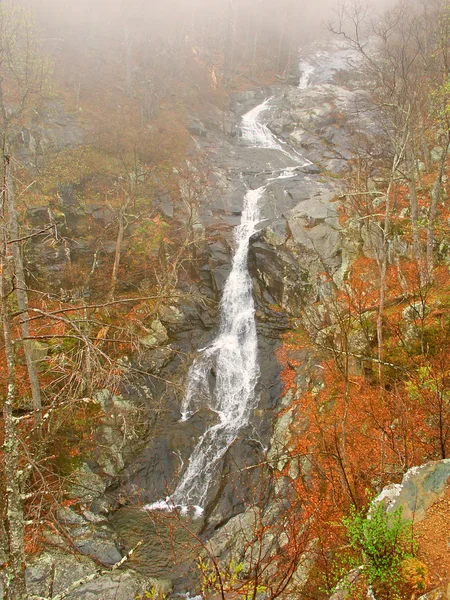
421, 488
55, 571
424, 497
289, 257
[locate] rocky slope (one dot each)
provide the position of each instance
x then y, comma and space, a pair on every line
297, 257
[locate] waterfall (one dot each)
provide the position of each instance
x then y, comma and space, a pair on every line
233, 358
224, 375
256, 133
306, 71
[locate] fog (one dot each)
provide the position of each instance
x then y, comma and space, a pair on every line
237, 31
149, 39
304, 20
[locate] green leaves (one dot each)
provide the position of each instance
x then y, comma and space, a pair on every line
381, 541
230, 578
441, 101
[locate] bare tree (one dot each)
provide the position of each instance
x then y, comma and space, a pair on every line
24, 73
392, 62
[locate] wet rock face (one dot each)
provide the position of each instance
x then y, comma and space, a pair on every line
300, 250
329, 107
424, 498
154, 472
289, 255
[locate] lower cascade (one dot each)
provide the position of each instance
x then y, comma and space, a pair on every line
224, 376
232, 359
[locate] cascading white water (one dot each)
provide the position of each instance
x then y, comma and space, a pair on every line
256, 133
306, 71
224, 376
232, 361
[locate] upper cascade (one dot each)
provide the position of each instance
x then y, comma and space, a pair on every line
306, 70
255, 132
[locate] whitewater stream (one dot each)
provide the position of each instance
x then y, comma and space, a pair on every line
233, 357
306, 71
224, 375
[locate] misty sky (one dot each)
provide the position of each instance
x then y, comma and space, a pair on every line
67, 15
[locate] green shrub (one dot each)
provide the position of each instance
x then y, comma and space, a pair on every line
381, 541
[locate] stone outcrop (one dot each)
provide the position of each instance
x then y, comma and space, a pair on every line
54, 572
420, 488
290, 255
57, 130
423, 497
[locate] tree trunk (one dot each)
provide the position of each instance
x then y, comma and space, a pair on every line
14, 573
119, 242
382, 260
229, 42
414, 205
423, 141
256, 37
128, 63
281, 41
21, 293
435, 196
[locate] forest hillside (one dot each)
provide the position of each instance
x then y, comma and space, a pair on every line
224, 206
